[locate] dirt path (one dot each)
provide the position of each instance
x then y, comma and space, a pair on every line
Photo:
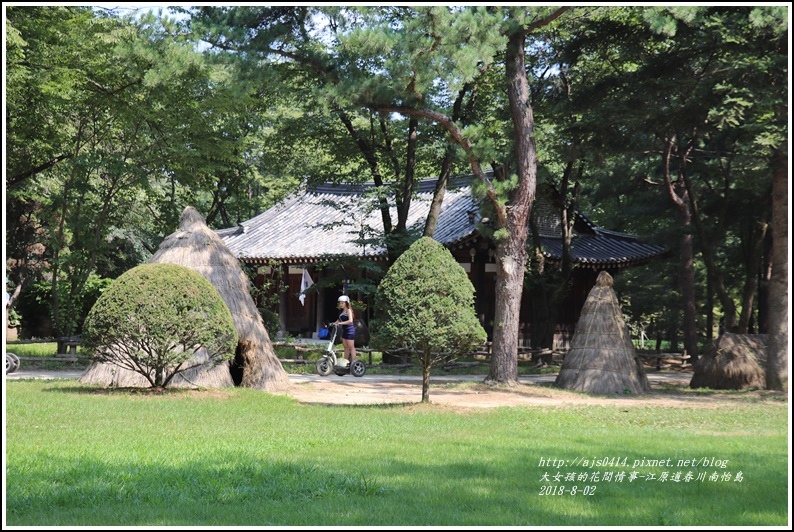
668, 389
468, 392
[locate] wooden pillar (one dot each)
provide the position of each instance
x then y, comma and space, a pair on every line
282, 305
318, 308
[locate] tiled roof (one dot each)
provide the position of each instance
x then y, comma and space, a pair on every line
327, 220
603, 250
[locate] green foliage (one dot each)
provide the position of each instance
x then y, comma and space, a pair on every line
127, 251
93, 289
664, 20
268, 294
14, 318
154, 318
114, 125
425, 303
34, 307
715, 83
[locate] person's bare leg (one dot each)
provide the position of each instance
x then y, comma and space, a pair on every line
350, 349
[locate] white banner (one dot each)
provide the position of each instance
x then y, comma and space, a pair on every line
306, 282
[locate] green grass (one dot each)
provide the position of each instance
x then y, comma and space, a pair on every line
81, 456
45, 351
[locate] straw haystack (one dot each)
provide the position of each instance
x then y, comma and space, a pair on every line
732, 362
602, 358
255, 364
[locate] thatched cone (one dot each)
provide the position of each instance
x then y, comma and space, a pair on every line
113, 376
732, 362
602, 358
255, 365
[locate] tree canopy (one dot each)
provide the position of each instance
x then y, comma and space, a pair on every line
425, 303
664, 121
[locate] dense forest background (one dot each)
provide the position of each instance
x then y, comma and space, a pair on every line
667, 122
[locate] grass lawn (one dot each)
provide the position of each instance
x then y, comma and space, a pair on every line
81, 456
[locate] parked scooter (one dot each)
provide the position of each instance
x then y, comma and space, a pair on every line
329, 363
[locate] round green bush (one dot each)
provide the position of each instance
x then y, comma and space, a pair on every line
425, 303
155, 317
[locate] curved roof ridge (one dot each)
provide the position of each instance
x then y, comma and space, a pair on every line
424, 185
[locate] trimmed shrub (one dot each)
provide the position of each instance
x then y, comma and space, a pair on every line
155, 318
425, 303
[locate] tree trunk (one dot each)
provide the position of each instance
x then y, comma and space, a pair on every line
777, 346
511, 251
751, 275
368, 152
55, 296
438, 195
407, 186
159, 377
713, 271
763, 285
672, 335
426, 378
510, 259
446, 166
566, 265
709, 310
680, 199
687, 280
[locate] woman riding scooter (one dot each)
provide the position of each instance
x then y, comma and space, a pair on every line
328, 362
347, 327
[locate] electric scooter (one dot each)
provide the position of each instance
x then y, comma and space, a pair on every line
329, 363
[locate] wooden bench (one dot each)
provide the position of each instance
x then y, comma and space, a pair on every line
659, 356
67, 346
56, 358
523, 352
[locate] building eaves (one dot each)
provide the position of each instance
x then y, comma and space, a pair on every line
319, 223
603, 250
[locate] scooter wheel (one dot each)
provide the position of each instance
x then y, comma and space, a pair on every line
12, 363
358, 368
324, 367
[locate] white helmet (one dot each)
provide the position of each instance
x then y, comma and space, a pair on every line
343, 298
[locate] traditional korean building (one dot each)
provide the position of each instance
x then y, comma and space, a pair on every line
325, 231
